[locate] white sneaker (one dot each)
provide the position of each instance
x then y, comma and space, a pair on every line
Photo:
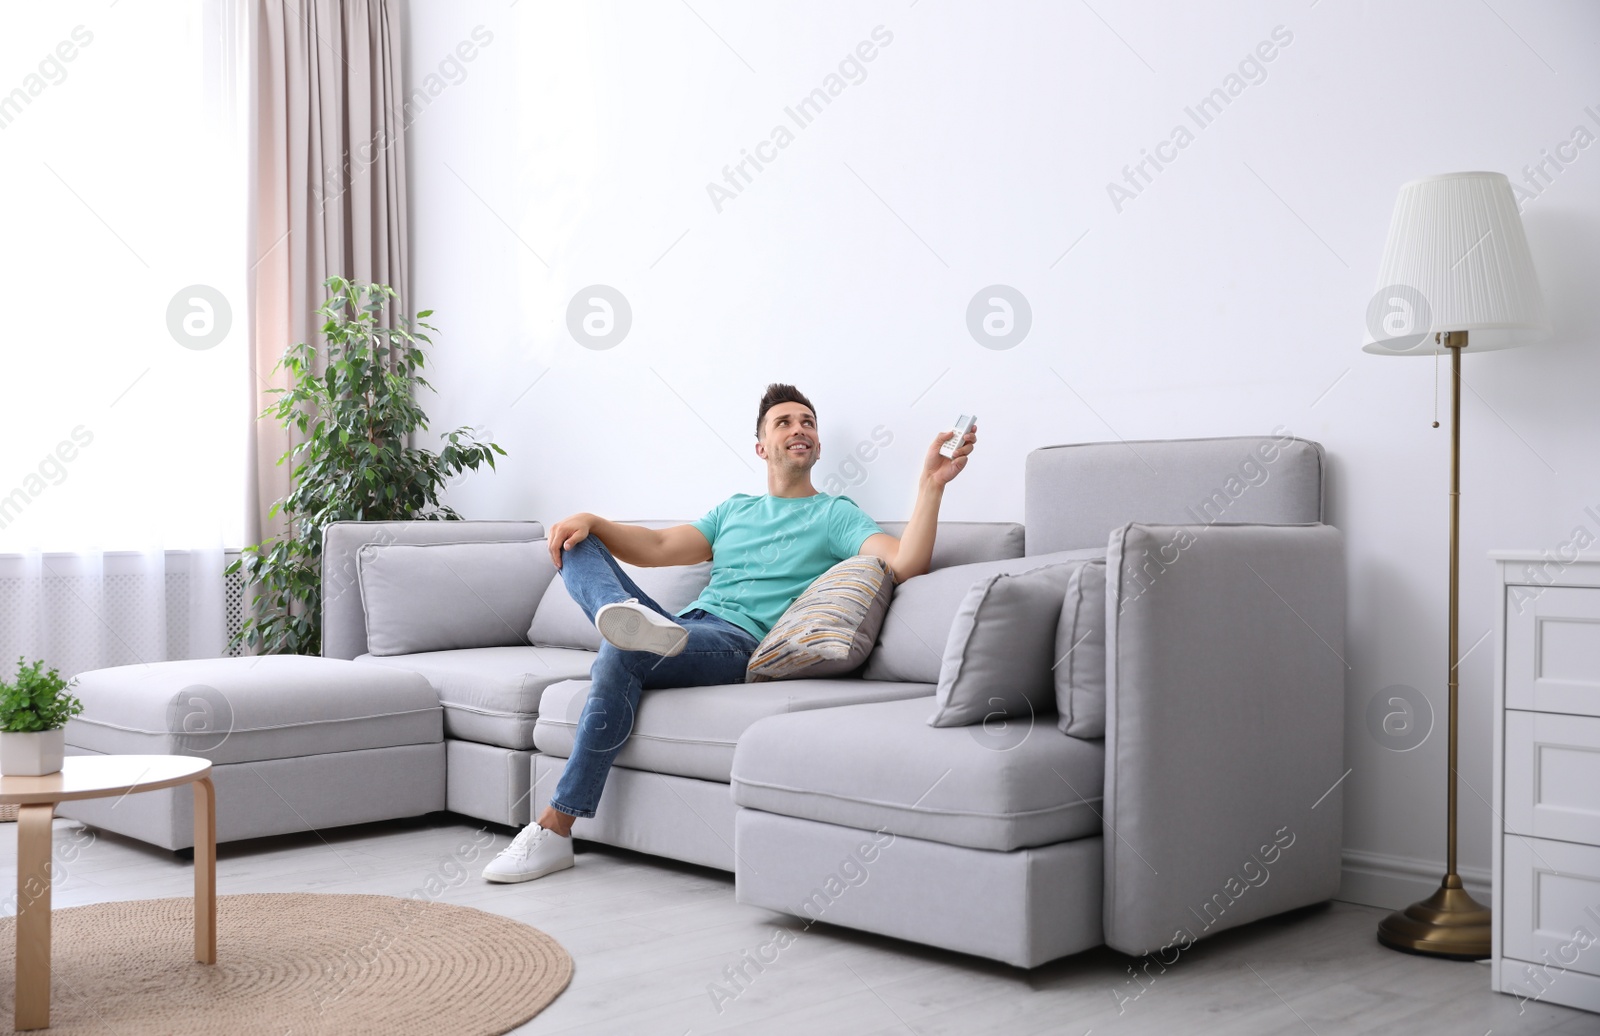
631, 626
534, 853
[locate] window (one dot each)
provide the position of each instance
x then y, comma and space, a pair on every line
124, 403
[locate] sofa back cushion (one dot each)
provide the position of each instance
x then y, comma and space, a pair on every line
1076, 496
559, 622
444, 596
1002, 643
912, 644
962, 543
344, 624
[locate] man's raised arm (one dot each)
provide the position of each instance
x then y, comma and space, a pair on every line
912, 554
646, 548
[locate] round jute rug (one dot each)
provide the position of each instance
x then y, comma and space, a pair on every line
291, 964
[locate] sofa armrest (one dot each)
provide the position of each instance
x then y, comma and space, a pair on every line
1225, 682
344, 620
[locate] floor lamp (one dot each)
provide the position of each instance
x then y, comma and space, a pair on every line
1456, 263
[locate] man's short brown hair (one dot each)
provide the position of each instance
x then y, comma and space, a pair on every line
776, 393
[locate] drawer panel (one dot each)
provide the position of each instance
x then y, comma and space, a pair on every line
1551, 903
1552, 776
1544, 984
1553, 650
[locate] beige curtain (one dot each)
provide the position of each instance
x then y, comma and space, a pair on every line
327, 192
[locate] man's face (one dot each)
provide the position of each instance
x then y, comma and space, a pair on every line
789, 438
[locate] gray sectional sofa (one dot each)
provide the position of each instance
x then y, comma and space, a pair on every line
1197, 791
1206, 803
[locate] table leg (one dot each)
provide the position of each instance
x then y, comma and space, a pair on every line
32, 1009
205, 871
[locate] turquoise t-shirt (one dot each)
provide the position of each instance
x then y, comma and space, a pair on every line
765, 551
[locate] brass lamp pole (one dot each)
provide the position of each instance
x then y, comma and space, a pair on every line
1449, 923
1456, 261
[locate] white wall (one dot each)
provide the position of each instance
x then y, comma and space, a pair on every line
1227, 298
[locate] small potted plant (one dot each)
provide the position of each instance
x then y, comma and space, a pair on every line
33, 721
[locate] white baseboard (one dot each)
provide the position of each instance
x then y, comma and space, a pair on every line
1393, 882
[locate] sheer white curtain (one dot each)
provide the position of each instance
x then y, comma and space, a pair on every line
89, 609
124, 396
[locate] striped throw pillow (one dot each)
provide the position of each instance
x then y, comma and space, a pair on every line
829, 630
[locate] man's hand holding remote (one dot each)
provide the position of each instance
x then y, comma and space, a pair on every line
939, 468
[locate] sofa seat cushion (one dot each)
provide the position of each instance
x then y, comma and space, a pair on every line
880, 767
491, 695
238, 710
692, 731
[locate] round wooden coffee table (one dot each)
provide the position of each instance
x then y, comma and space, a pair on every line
93, 777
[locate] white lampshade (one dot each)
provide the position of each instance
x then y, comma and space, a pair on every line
1456, 260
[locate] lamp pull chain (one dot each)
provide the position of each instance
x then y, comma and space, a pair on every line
1436, 384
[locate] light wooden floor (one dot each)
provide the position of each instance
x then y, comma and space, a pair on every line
650, 937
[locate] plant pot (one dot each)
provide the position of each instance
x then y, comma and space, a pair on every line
32, 754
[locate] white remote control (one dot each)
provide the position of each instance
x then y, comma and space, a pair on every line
962, 426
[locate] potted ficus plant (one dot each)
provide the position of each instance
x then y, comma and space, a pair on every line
33, 720
351, 403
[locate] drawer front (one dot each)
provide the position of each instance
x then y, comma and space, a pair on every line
1551, 903
1552, 776
1553, 650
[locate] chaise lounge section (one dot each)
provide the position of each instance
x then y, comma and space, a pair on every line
296, 744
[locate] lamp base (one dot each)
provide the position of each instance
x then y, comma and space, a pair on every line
1449, 924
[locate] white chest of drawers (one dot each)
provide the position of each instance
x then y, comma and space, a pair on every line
1547, 778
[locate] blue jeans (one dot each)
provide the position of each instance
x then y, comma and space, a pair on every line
717, 653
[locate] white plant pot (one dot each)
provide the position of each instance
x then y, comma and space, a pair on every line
33, 754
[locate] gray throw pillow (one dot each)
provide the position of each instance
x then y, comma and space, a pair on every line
829, 630
559, 622
911, 646
1001, 646
1081, 654
441, 596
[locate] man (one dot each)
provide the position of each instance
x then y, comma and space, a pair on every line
764, 552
